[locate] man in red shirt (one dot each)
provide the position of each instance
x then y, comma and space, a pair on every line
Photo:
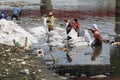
76, 26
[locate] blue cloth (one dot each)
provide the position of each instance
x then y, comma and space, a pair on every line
16, 10
68, 28
3, 15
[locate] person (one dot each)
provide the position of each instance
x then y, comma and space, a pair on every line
16, 12
97, 36
50, 21
67, 25
88, 37
3, 15
66, 21
69, 28
76, 26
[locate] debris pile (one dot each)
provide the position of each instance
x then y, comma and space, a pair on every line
12, 34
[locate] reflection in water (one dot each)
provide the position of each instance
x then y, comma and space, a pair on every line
68, 57
52, 55
67, 54
96, 52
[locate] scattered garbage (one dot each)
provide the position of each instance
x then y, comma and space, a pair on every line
99, 76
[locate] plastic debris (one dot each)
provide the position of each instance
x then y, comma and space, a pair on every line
11, 31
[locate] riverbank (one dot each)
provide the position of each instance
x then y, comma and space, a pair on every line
82, 15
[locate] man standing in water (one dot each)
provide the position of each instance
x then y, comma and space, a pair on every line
50, 21
76, 26
16, 12
96, 35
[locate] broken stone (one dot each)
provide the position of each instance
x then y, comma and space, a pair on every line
27, 48
39, 70
23, 63
25, 71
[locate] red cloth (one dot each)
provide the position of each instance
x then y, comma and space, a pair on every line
76, 25
98, 38
65, 19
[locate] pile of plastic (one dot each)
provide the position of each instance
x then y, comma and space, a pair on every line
10, 31
55, 39
38, 31
76, 41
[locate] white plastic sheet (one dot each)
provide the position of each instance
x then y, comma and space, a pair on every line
72, 34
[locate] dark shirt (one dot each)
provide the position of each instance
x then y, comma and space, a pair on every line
3, 15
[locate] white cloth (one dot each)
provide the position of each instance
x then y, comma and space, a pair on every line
73, 34
45, 21
88, 37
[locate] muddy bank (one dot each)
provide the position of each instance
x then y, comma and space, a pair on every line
18, 64
83, 15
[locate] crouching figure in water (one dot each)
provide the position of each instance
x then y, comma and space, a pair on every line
97, 38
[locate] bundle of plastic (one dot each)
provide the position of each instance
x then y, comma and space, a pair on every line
55, 38
53, 33
10, 31
62, 32
38, 31
72, 34
76, 41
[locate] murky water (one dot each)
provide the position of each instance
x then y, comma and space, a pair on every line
89, 60
84, 60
